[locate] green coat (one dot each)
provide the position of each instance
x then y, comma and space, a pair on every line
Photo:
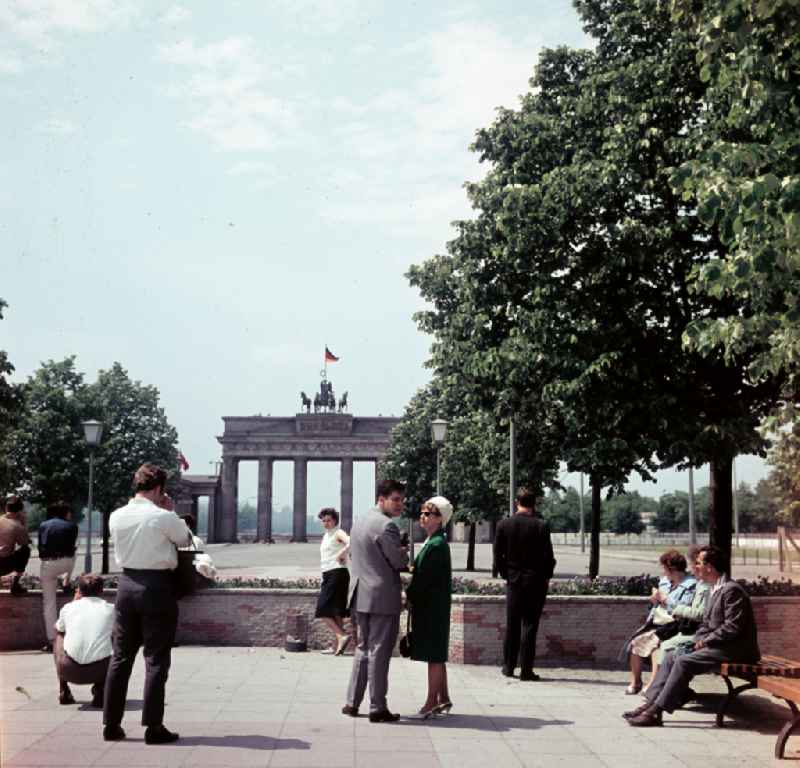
429, 595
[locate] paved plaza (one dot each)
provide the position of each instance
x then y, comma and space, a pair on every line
265, 707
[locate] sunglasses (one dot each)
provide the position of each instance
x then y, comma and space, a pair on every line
432, 512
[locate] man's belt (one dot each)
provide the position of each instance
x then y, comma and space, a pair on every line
56, 557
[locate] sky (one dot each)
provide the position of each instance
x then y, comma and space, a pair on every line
210, 193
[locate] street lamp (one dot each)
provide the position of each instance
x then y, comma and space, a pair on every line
439, 431
92, 431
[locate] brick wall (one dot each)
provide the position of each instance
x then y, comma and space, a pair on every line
574, 630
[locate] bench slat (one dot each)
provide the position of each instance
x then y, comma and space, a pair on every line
772, 666
786, 689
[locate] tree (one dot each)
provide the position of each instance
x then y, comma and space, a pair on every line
672, 513
562, 510
47, 446
784, 479
568, 295
747, 179
623, 513
10, 407
757, 509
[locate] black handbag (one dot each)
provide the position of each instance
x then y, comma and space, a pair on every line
406, 640
185, 575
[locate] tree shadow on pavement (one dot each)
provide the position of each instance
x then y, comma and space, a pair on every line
489, 722
243, 741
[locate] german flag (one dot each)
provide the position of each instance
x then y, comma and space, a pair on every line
330, 357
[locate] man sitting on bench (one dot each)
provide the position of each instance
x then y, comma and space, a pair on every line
728, 633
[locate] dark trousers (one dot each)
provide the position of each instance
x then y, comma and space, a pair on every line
524, 603
146, 616
671, 684
15, 562
69, 671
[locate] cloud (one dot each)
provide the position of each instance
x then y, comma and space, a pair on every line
40, 23
227, 94
57, 126
177, 14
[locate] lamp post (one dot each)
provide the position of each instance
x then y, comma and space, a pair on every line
92, 431
439, 431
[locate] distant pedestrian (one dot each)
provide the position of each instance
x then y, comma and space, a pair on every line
15, 543
145, 532
429, 597
523, 553
57, 538
83, 641
376, 559
332, 601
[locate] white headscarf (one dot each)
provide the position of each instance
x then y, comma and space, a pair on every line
444, 506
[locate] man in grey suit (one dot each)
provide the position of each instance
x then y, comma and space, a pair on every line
728, 633
377, 557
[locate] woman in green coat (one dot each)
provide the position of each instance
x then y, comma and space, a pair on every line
429, 597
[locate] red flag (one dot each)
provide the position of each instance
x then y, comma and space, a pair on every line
184, 465
330, 357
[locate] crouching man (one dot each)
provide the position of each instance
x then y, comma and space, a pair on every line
727, 634
82, 647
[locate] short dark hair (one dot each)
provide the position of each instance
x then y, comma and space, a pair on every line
14, 504
526, 498
673, 560
149, 477
90, 585
716, 558
386, 488
59, 509
328, 512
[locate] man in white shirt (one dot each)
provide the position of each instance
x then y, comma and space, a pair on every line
82, 644
145, 533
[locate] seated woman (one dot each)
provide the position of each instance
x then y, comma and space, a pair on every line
429, 596
688, 617
677, 588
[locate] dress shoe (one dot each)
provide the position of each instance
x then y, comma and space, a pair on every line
341, 646
159, 735
647, 719
636, 712
506, 672
423, 714
385, 716
97, 696
350, 711
633, 689
113, 733
443, 708
47, 648
66, 697
529, 676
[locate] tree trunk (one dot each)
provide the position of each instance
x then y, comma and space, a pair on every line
594, 552
720, 516
471, 546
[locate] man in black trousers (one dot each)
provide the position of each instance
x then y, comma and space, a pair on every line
145, 533
523, 554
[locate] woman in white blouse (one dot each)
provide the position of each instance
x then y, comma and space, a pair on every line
332, 602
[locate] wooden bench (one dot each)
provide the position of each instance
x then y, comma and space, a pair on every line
775, 674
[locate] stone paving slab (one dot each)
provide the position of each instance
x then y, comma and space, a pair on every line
262, 707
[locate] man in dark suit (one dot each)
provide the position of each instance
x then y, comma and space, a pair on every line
377, 557
728, 633
523, 554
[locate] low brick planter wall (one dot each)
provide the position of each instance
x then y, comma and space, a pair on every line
581, 630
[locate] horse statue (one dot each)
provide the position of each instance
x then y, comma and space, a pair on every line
343, 403
317, 403
306, 402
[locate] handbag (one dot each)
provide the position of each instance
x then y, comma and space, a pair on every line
407, 639
185, 575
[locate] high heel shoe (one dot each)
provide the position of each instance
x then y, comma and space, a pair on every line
423, 714
632, 689
443, 708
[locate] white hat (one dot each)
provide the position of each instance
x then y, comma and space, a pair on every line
444, 506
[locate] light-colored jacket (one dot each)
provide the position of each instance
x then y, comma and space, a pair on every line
376, 559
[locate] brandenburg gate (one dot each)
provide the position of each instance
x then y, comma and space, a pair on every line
320, 436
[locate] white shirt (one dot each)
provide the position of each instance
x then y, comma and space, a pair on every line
145, 536
86, 624
329, 550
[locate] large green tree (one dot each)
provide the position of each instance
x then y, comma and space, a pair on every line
10, 406
747, 178
568, 293
784, 479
